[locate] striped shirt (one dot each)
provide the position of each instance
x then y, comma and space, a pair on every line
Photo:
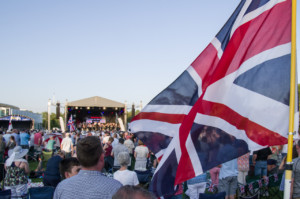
87, 185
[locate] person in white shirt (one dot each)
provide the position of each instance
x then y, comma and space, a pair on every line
67, 146
123, 175
141, 153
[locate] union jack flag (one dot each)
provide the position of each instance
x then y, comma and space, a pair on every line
71, 124
9, 124
233, 98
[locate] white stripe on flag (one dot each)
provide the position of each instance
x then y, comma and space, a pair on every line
168, 109
193, 156
196, 78
155, 126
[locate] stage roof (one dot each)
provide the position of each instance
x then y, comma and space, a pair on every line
96, 102
8, 106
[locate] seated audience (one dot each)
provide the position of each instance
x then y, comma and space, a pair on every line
89, 182
51, 174
123, 175
17, 169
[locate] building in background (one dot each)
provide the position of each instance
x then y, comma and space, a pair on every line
21, 119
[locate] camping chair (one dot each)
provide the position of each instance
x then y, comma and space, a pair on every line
144, 177
46, 155
220, 195
2, 175
41, 192
33, 154
6, 194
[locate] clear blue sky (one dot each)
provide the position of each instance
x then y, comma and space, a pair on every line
121, 50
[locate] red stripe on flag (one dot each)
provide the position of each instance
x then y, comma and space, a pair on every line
254, 131
162, 117
205, 63
185, 168
260, 34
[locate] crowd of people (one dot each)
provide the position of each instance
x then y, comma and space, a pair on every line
97, 126
113, 164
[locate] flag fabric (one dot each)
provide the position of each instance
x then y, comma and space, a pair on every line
71, 124
10, 124
233, 98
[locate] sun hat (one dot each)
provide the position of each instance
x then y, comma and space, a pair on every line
19, 152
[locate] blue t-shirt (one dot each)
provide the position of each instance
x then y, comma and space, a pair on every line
24, 138
229, 168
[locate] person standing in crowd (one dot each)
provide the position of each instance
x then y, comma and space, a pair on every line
214, 175
109, 160
118, 149
50, 144
2, 148
259, 160
17, 169
69, 167
106, 137
116, 140
123, 175
52, 175
89, 182
295, 186
141, 153
129, 144
67, 146
228, 178
38, 140
7, 137
17, 136
24, 140
11, 144
243, 167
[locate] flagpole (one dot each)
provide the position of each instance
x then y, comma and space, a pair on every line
289, 168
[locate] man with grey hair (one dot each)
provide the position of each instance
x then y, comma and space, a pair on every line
116, 150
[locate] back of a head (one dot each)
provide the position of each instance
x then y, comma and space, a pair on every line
66, 165
132, 192
123, 158
121, 141
89, 150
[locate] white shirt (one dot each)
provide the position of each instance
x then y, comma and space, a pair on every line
66, 145
126, 177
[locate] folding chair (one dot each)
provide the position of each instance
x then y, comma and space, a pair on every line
220, 195
47, 155
2, 174
41, 192
144, 177
6, 194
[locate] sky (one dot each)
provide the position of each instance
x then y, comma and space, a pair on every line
120, 50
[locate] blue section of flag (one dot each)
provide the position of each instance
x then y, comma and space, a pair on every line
155, 141
224, 35
270, 79
183, 91
256, 4
215, 146
165, 176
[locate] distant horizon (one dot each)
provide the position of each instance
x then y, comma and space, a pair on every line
119, 50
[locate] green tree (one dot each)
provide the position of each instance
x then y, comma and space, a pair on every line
54, 123
129, 115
